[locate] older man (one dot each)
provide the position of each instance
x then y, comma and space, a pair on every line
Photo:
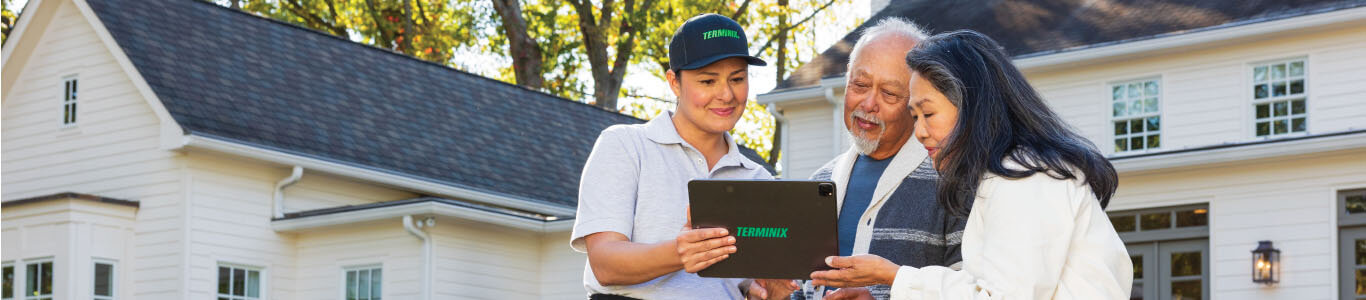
886, 180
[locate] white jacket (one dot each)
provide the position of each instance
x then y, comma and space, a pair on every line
1029, 238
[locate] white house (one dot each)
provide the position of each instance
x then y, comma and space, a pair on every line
1230, 123
176, 149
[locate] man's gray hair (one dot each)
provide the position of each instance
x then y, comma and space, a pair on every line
893, 25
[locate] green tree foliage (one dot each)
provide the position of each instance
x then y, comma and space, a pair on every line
430, 30
577, 49
7, 19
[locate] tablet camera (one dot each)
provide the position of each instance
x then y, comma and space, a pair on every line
826, 189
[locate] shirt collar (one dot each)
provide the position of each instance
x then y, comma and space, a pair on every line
661, 130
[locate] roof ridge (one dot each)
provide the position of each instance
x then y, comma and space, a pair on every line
400, 54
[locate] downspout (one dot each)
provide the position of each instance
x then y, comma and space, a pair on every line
293, 178
426, 251
781, 129
836, 129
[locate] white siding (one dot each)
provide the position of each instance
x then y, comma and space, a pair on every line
561, 268
230, 223
323, 254
482, 261
113, 152
1207, 93
812, 138
231, 215
316, 191
1290, 201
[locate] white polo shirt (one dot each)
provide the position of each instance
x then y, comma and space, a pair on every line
636, 183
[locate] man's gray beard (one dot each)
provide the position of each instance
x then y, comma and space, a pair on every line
862, 145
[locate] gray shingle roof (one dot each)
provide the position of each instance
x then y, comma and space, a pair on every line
232, 75
1037, 27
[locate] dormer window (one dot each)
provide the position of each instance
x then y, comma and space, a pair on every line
69, 101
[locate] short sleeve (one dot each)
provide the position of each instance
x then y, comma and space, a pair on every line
608, 186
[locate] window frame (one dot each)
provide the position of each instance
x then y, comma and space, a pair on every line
1110, 125
71, 113
1253, 102
260, 284
1170, 233
113, 278
345, 286
37, 261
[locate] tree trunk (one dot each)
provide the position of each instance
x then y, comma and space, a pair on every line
781, 63
385, 39
607, 76
526, 53
405, 40
777, 142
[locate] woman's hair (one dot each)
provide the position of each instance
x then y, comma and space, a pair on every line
999, 116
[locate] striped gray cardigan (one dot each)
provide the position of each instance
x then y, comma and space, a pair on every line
912, 229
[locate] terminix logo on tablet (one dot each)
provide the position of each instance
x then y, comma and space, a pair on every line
762, 232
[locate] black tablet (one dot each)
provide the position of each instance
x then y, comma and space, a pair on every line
783, 229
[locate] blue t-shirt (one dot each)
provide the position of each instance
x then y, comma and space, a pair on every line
857, 196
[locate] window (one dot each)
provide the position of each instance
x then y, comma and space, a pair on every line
238, 283
1169, 249
1352, 244
69, 101
1278, 98
7, 290
1136, 114
104, 280
1156, 220
363, 283
38, 274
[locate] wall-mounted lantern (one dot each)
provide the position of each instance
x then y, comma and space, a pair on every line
1266, 264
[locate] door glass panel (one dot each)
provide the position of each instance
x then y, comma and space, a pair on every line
1361, 282
1186, 290
1138, 266
1137, 293
1186, 264
1361, 252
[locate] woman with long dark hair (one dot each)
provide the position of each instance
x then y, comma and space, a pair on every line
1032, 189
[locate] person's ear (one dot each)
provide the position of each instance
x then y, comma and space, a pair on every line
675, 82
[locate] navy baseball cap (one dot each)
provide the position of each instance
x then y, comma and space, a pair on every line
708, 38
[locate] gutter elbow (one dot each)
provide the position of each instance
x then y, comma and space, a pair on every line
279, 195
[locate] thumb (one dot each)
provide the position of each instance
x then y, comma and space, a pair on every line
839, 262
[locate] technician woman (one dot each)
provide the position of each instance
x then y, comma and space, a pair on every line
633, 198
